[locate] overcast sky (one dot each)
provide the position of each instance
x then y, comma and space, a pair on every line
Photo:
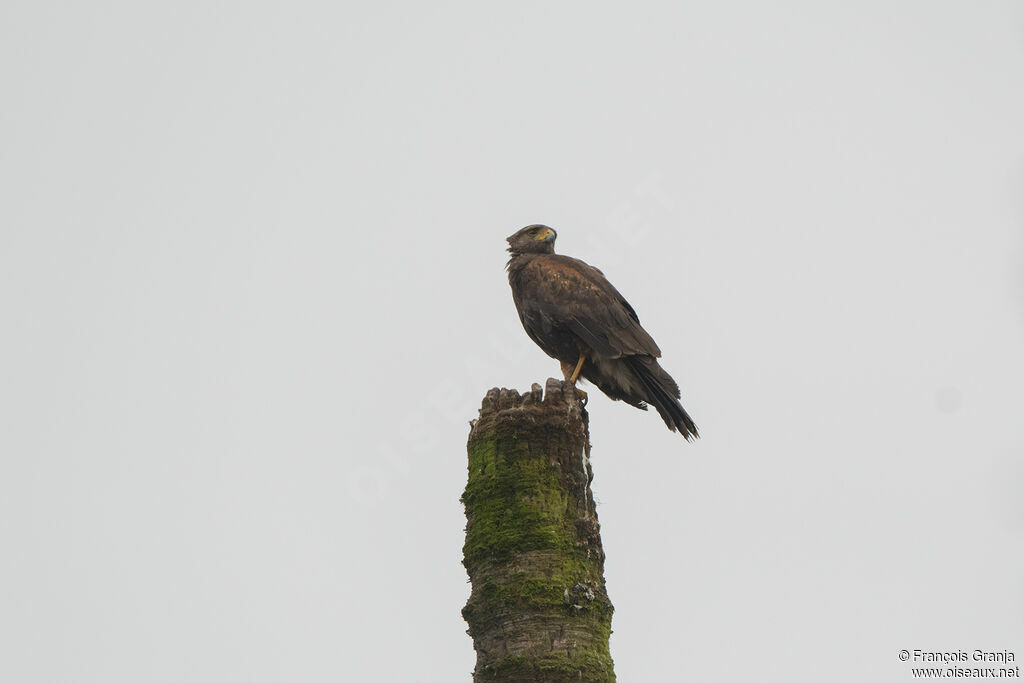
252, 285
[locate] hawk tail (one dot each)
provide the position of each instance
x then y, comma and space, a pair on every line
663, 394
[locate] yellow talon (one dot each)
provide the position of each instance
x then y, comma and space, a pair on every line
576, 372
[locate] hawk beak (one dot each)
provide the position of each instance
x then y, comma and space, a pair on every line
546, 236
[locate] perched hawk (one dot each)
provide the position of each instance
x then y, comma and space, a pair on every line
575, 315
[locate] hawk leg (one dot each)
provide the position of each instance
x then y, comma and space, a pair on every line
572, 375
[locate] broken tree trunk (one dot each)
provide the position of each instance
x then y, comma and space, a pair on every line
538, 610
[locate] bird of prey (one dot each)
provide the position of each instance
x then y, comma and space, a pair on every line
577, 317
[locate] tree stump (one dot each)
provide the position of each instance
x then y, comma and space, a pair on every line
538, 610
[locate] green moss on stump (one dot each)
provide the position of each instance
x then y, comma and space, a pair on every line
538, 610
516, 501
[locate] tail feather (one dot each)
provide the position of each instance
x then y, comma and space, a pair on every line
663, 394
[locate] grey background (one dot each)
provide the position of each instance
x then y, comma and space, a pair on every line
251, 277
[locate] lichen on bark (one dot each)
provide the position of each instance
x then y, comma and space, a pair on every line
539, 610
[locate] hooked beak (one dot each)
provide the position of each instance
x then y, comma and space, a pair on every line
546, 236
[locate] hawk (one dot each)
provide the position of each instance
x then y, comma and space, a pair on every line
578, 318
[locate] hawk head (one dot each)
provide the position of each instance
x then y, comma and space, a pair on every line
533, 239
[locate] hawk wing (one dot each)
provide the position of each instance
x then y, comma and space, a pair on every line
563, 292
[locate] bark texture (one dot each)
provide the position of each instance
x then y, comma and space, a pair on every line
538, 610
